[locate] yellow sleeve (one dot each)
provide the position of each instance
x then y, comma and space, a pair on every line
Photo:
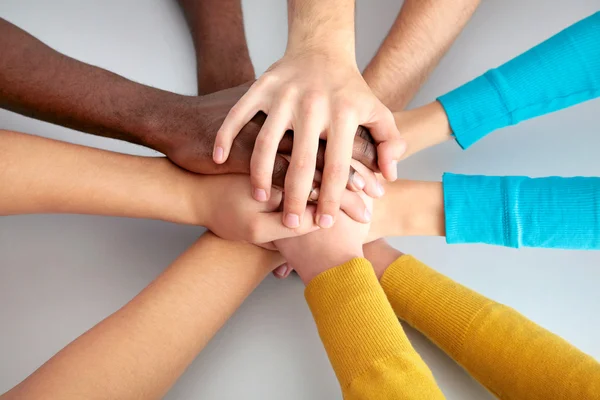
369, 352
510, 355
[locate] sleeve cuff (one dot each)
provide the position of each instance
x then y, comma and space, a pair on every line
355, 320
475, 210
432, 303
518, 211
475, 109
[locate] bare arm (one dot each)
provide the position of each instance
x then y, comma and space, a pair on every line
421, 35
142, 349
217, 28
39, 82
409, 208
39, 175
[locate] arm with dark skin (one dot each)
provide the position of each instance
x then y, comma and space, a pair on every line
39, 82
222, 56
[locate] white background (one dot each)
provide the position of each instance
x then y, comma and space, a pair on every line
59, 275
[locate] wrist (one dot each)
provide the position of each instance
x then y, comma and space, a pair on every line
423, 127
322, 31
195, 197
333, 259
381, 255
241, 255
178, 191
410, 208
156, 110
323, 50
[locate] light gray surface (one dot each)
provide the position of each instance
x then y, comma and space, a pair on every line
59, 275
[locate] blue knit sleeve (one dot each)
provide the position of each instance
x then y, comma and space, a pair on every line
558, 73
517, 211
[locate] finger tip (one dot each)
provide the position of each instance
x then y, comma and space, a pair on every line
325, 221
291, 220
260, 195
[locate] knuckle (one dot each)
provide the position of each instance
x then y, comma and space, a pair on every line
279, 171
313, 101
260, 175
345, 107
263, 141
235, 112
267, 79
289, 92
303, 161
367, 151
336, 172
294, 202
329, 204
364, 133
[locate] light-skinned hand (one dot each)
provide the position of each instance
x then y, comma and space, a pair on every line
321, 250
229, 211
317, 95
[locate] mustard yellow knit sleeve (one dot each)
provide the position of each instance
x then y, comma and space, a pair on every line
510, 355
369, 352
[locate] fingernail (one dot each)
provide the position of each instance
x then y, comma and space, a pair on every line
282, 270
218, 154
403, 148
292, 220
260, 194
380, 189
358, 181
367, 215
325, 221
394, 167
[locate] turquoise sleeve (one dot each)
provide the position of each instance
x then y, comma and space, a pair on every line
517, 211
558, 73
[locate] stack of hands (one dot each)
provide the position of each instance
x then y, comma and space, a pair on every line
301, 162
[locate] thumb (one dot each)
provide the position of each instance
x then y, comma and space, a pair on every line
389, 153
283, 271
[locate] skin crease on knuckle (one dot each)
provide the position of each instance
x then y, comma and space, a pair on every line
336, 173
294, 202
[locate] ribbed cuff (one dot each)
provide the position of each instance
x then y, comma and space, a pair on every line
518, 211
475, 109
475, 210
432, 303
355, 320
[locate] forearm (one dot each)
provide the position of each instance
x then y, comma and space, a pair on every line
517, 211
41, 83
420, 36
376, 361
145, 346
217, 28
511, 211
41, 175
325, 27
510, 355
559, 72
409, 208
